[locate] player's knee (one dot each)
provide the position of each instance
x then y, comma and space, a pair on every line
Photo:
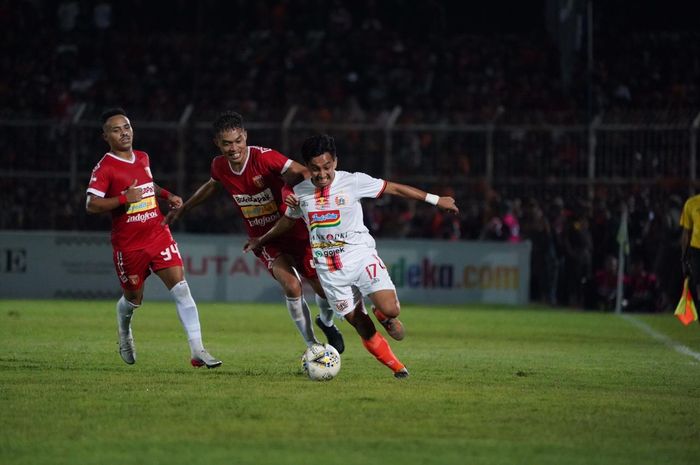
292, 287
391, 309
134, 300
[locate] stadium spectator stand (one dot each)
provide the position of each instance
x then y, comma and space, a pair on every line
478, 75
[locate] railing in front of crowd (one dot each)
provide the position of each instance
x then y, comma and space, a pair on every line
515, 159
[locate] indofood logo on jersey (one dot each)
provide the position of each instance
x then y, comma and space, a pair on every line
141, 217
324, 219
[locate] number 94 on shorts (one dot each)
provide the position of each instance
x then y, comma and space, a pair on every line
134, 266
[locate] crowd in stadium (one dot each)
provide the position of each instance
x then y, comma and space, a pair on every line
353, 62
338, 60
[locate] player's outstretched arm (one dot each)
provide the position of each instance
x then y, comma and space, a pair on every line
131, 194
410, 192
283, 225
204, 191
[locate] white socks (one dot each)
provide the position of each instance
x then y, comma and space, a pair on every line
299, 311
189, 317
125, 310
325, 310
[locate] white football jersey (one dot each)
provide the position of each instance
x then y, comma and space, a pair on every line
334, 218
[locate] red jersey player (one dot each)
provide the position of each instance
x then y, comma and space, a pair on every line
122, 184
255, 178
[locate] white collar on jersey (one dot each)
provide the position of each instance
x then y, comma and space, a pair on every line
245, 163
132, 160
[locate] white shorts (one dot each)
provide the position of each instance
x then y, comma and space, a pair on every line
346, 287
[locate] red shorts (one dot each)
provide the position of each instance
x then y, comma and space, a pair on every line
133, 267
299, 250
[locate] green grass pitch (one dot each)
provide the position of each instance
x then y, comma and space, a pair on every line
488, 385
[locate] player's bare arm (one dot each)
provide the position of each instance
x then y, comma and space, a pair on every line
283, 225
205, 191
131, 194
410, 192
174, 201
295, 174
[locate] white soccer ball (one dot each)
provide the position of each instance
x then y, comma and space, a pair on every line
321, 362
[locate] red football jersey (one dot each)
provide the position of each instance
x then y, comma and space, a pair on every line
257, 190
136, 225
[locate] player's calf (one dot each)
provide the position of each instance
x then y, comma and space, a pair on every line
393, 326
127, 349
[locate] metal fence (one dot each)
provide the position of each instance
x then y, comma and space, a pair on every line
515, 159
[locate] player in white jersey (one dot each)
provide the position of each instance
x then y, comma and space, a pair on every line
346, 260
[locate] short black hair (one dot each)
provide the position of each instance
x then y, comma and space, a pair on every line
107, 114
228, 120
317, 145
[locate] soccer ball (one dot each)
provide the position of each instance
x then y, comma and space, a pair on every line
321, 362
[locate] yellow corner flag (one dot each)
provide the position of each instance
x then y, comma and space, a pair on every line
685, 311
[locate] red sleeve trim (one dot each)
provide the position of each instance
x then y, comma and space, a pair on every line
381, 191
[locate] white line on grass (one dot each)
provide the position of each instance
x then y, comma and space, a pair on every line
677, 346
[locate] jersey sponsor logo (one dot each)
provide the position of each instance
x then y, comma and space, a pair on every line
324, 219
342, 305
263, 220
340, 200
321, 202
147, 190
142, 217
255, 199
253, 211
328, 253
327, 245
149, 203
330, 237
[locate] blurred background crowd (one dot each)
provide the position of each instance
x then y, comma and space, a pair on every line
527, 79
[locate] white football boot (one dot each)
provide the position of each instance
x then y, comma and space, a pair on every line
203, 358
